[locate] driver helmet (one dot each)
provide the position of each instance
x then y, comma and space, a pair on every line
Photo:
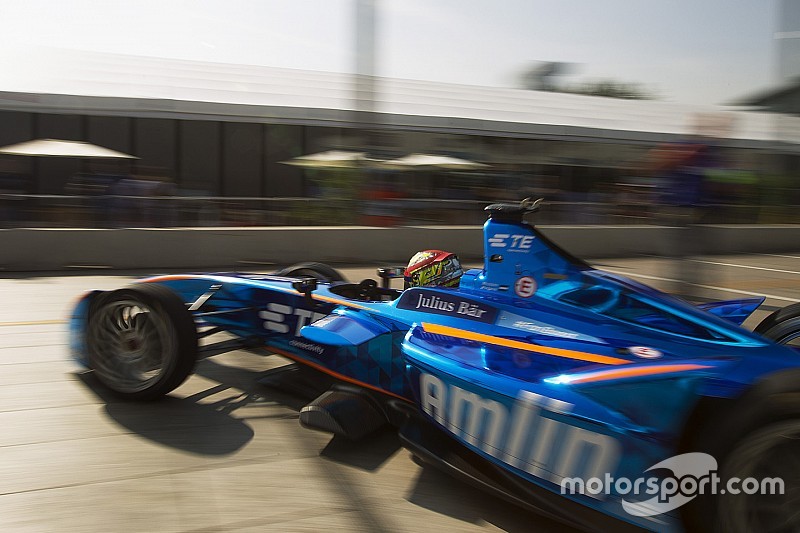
433, 268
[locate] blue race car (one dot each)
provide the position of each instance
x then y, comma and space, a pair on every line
567, 390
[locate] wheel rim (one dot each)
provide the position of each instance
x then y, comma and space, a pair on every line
791, 339
774, 453
130, 345
787, 332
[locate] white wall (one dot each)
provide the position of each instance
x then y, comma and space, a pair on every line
219, 248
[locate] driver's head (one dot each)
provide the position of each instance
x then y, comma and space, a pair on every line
433, 268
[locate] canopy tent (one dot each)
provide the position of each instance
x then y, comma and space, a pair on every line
413, 161
61, 148
333, 159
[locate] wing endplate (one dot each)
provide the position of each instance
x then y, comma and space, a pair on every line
736, 311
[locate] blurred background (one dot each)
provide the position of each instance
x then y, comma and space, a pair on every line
149, 136
379, 113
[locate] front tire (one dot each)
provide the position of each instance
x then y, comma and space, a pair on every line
141, 341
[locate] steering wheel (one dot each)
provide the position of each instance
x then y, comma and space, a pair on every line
366, 289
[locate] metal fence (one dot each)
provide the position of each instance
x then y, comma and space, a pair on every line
76, 211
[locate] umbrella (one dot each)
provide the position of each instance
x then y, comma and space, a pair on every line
332, 159
60, 148
434, 161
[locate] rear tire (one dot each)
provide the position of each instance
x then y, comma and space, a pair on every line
782, 326
755, 437
318, 271
141, 341
770, 451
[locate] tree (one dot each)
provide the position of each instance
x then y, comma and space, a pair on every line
611, 89
549, 76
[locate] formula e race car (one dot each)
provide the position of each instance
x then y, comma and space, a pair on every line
567, 390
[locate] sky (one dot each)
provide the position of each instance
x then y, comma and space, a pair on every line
688, 51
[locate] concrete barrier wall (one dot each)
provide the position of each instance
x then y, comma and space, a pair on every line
214, 248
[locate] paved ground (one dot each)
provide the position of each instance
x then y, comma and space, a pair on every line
225, 454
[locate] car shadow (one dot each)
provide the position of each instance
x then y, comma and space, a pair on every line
191, 424
367, 454
438, 492
432, 490
180, 423
211, 429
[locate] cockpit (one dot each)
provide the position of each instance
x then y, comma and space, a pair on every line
367, 290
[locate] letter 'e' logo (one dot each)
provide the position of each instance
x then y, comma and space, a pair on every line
525, 287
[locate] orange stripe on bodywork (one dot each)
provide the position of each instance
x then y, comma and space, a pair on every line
170, 277
630, 372
330, 372
337, 301
499, 341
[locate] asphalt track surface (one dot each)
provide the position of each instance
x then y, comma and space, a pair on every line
224, 453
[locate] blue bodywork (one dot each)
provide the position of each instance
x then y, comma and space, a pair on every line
538, 363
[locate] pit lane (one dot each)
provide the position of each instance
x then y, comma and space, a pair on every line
223, 453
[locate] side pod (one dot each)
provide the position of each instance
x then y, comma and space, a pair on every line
344, 328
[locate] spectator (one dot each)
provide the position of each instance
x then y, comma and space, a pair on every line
680, 170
